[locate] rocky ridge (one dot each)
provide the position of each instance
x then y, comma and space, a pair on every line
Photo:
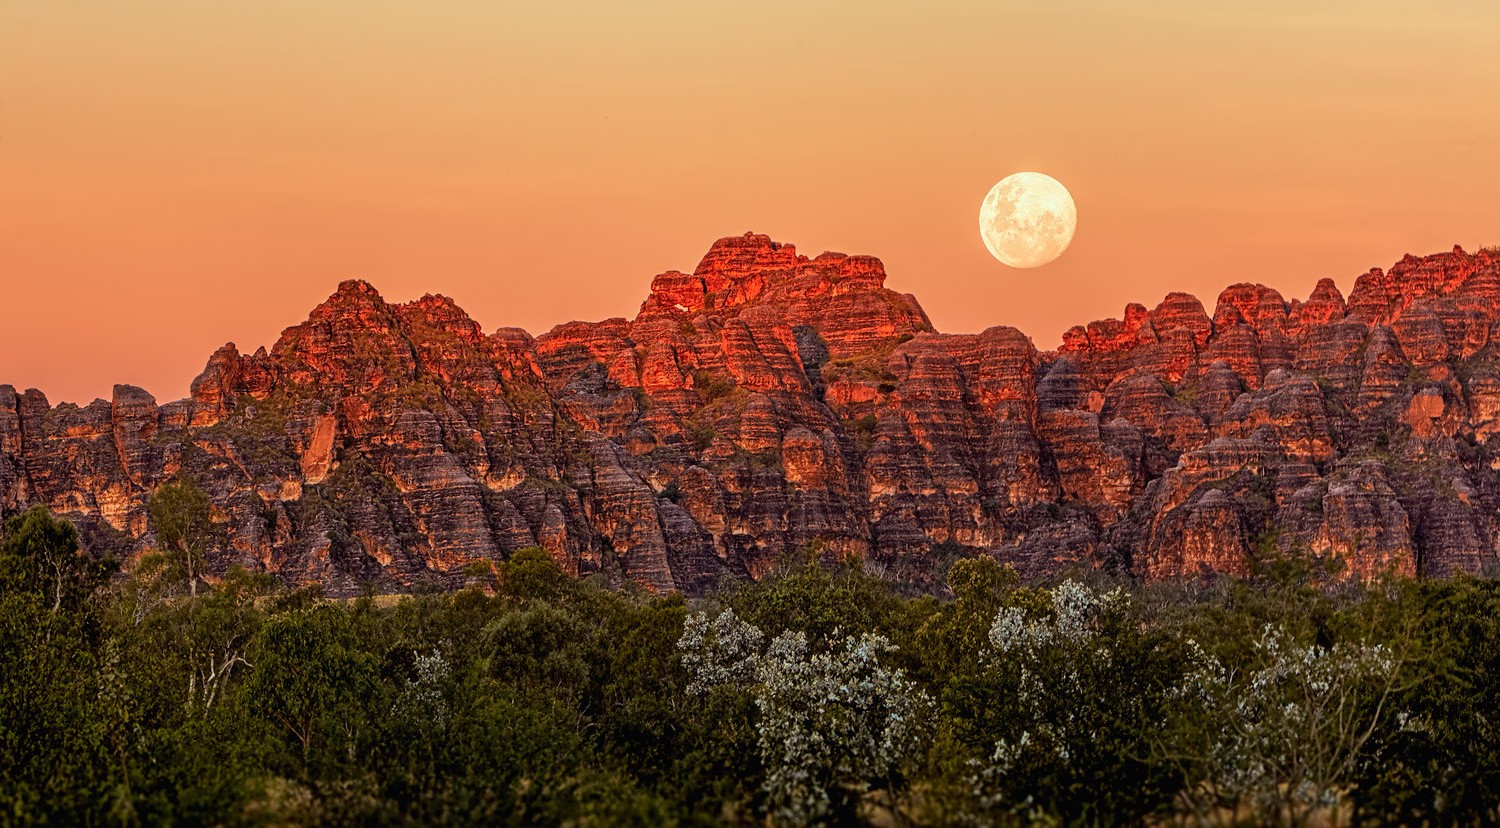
768, 401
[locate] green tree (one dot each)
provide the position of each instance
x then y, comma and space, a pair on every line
54, 765
217, 632
543, 651
180, 514
40, 554
1440, 764
312, 680
531, 574
818, 600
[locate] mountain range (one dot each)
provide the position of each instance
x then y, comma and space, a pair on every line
769, 403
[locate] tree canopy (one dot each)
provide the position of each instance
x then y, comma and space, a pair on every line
819, 695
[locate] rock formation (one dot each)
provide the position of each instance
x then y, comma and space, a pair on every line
768, 401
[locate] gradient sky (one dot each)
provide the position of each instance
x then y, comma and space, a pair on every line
175, 174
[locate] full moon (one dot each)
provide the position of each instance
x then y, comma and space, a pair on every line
1028, 219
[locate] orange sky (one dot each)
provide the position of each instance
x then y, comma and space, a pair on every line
175, 174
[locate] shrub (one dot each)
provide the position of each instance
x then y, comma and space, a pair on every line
712, 386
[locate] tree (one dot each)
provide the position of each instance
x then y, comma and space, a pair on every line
818, 600
218, 632
1442, 766
543, 651
312, 679
1285, 735
180, 513
532, 574
1074, 679
834, 722
53, 756
40, 554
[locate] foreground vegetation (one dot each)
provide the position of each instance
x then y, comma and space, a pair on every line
818, 695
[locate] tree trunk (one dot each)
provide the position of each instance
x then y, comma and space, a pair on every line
187, 559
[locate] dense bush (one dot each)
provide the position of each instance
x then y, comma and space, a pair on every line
818, 695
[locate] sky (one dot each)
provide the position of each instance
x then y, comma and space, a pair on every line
177, 174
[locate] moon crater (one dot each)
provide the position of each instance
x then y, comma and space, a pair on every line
1028, 219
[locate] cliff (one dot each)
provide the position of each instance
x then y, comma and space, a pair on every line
768, 400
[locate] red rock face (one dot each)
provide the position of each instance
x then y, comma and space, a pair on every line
769, 400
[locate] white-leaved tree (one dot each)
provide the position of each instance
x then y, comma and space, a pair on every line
421, 701
1281, 737
1068, 692
834, 722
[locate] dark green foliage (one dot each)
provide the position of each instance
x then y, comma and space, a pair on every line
53, 759
702, 434
532, 575
810, 598
531, 698
1448, 763
40, 555
712, 386
311, 682
863, 430
542, 651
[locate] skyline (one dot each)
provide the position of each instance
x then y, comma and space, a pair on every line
173, 177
